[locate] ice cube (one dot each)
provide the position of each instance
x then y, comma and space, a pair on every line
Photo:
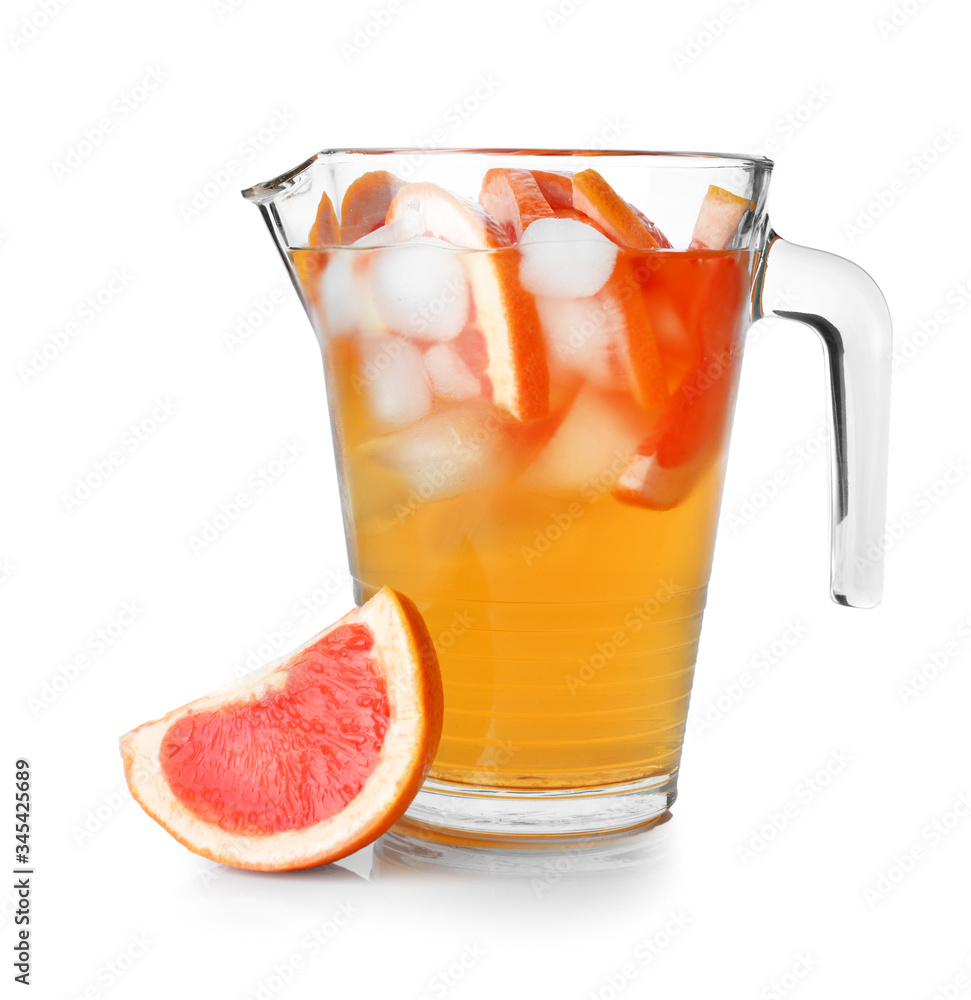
392, 378
586, 336
592, 446
565, 258
345, 296
450, 376
347, 293
455, 451
420, 290
339, 295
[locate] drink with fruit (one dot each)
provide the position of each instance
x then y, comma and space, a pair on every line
531, 386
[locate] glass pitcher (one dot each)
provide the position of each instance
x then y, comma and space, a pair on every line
531, 360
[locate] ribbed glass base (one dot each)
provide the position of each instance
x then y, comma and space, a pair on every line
410, 848
504, 814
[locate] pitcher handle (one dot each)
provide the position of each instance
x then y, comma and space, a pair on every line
843, 304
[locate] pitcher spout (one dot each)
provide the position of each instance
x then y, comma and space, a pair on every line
282, 203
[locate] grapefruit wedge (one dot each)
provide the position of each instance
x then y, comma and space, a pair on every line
640, 344
718, 219
557, 188
307, 761
654, 478
513, 199
366, 202
691, 430
325, 231
623, 223
504, 311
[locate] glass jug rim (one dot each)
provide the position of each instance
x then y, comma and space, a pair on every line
266, 190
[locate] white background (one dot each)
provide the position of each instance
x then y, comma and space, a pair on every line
630, 74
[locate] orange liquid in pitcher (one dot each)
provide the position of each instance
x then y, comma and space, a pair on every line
561, 563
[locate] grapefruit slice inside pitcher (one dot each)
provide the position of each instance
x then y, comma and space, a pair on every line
513, 199
325, 231
621, 221
309, 760
366, 202
557, 188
